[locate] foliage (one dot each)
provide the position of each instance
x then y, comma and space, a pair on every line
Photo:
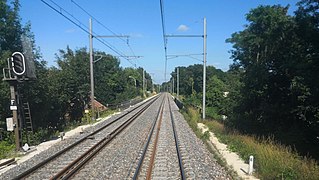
9, 42
273, 82
6, 149
271, 159
191, 116
218, 82
278, 57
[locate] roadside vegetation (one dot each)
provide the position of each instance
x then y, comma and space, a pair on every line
271, 90
272, 160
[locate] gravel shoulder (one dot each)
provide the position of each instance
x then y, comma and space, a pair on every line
198, 161
232, 159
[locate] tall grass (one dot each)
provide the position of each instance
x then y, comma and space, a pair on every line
192, 116
6, 149
272, 160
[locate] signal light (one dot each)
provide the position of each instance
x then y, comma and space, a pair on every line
18, 63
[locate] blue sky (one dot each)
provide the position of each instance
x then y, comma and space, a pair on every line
142, 21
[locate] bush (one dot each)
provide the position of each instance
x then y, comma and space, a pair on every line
272, 160
191, 115
6, 149
40, 135
212, 112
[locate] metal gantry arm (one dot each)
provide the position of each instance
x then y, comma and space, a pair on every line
127, 57
173, 56
183, 36
204, 54
92, 61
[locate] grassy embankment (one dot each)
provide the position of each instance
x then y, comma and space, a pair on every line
272, 160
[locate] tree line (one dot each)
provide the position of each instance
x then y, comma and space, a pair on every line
60, 93
273, 83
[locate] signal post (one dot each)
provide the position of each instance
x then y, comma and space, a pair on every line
16, 123
19, 70
16, 68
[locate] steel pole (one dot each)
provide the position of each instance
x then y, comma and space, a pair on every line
177, 82
204, 71
153, 86
15, 118
143, 83
91, 69
173, 84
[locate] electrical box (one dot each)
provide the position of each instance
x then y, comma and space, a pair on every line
10, 126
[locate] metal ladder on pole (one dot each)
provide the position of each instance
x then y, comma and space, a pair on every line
27, 116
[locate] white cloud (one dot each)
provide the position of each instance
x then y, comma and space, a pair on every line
182, 28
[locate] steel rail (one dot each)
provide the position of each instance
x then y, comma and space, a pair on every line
150, 166
68, 171
183, 176
42, 163
140, 162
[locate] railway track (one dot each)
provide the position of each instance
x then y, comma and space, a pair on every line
159, 144
161, 156
68, 161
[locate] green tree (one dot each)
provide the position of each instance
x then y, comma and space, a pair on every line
10, 33
215, 97
279, 93
262, 49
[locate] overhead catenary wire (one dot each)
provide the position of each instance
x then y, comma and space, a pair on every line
89, 14
85, 28
172, 56
164, 34
104, 26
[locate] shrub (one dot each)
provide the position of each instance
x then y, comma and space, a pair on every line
6, 149
272, 160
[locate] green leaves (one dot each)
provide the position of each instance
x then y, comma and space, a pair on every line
278, 54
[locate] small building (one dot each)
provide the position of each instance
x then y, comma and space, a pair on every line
99, 106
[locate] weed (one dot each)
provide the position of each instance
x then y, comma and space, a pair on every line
6, 149
272, 160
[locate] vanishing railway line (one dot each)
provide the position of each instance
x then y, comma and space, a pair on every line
148, 141
66, 162
161, 157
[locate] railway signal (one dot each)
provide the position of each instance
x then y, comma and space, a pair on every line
18, 64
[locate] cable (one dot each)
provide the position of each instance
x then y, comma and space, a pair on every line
164, 34
163, 22
84, 29
89, 14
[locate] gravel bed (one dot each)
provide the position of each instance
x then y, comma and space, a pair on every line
117, 159
166, 160
11, 173
142, 172
197, 160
